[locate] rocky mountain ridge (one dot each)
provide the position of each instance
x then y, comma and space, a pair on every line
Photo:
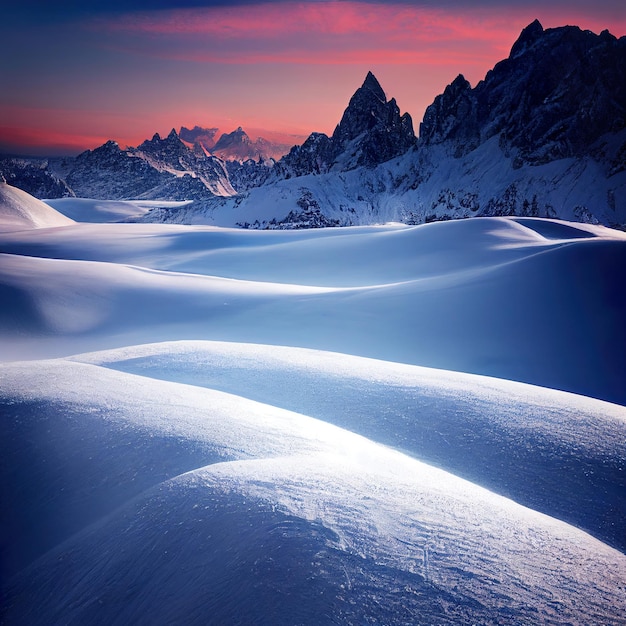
371, 131
544, 134
559, 91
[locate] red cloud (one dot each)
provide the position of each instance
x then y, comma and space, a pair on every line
332, 33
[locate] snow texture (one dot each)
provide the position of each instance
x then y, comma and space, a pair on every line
181, 503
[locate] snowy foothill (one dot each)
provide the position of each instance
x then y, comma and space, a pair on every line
377, 424
19, 211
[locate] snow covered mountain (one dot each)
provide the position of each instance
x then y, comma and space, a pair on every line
34, 177
172, 156
543, 135
237, 145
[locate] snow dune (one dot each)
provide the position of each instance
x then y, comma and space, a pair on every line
19, 210
489, 296
98, 211
229, 426
569, 449
154, 501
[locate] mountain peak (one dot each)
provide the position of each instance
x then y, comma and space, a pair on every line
228, 140
173, 134
370, 132
528, 36
371, 84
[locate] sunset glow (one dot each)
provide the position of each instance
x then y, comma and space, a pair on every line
289, 67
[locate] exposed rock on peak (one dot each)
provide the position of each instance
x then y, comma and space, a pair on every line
371, 131
452, 114
527, 37
371, 83
559, 92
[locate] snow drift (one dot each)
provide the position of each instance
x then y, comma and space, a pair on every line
180, 503
530, 300
248, 464
19, 211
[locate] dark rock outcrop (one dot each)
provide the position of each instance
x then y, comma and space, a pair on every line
370, 132
559, 91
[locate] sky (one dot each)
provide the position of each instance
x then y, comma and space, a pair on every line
76, 74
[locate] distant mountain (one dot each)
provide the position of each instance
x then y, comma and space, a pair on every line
543, 135
160, 168
172, 156
236, 145
202, 136
156, 169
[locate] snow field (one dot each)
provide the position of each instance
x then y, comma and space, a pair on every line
214, 445
489, 296
287, 503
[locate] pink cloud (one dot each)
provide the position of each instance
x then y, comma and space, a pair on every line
315, 29
392, 21
334, 33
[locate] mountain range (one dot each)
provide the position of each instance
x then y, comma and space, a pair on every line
543, 135
236, 145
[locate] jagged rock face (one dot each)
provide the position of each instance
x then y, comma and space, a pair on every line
314, 156
370, 132
558, 92
244, 175
372, 127
452, 117
173, 156
108, 172
166, 153
366, 110
158, 168
33, 177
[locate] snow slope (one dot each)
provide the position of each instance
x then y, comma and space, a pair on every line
428, 185
490, 296
99, 211
19, 210
176, 503
247, 464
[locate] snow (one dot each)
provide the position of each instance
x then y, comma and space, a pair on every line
19, 210
98, 211
428, 184
374, 424
305, 514
488, 296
